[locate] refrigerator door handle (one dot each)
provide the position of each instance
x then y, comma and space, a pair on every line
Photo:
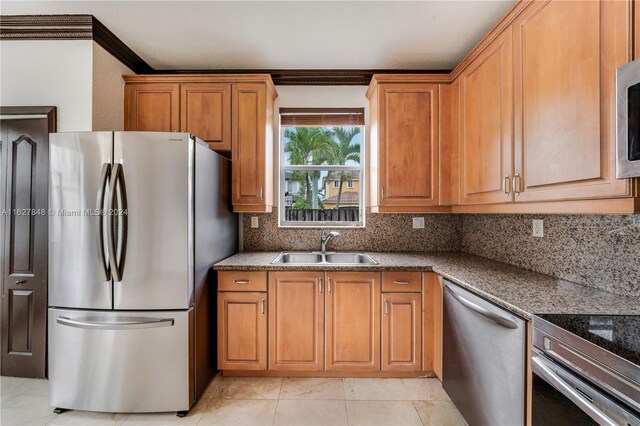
117, 178
104, 177
122, 325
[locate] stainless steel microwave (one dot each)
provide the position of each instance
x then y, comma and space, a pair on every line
628, 120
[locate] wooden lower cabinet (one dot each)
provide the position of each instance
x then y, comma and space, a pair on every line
328, 324
352, 315
401, 332
242, 331
296, 321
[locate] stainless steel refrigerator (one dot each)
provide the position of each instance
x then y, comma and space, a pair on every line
136, 220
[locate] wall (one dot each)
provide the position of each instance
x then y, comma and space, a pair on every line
108, 90
598, 251
49, 73
384, 232
78, 77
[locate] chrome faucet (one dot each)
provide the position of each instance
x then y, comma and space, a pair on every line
324, 239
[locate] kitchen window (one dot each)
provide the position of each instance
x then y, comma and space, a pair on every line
321, 175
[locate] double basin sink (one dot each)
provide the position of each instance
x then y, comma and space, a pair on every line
324, 259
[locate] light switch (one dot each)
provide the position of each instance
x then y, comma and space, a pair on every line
254, 221
538, 228
418, 223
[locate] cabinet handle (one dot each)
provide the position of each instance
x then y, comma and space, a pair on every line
328, 285
19, 282
242, 281
261, 193
402, 282
516, 183
382, 193
386, 308
506, 185
262, 306
320, 285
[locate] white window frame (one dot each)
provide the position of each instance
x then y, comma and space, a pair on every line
320, 224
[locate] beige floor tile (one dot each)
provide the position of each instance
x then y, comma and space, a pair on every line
192, 418
439, 413
425, 389
11, 386
297, 412
373, 413
375, 389
312, 388
84, 418
213, 389
250, 387
27, 410
40, 387
239, 412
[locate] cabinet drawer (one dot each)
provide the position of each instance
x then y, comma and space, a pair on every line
242, 281
401, 282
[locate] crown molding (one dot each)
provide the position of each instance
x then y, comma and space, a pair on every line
318, 77
70, 27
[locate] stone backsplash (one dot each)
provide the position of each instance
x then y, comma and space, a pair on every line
595, 250
601, 251
383, 232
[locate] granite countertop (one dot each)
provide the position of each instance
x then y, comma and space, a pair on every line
522, 292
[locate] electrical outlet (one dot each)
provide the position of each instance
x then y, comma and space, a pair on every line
538, 228
418, 223
254, 221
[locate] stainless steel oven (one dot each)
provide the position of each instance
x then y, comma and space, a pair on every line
577, 380
628, 120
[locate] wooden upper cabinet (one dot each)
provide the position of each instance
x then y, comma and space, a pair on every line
401, 332
404, 146
296, 321
152, 107
252, 137
206, 113
486, 124
233, 113
352, 321
242, 331
565, 56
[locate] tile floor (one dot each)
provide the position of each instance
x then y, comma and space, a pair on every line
260, 401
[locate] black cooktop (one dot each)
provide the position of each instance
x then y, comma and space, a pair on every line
619, 334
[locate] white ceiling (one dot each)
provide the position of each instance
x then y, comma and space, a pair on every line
289, 34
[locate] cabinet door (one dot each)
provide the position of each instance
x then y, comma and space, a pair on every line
152, 107
296, 321
408, 145
566, 54
486, 121
353, 321
401, 332
242, 331
249, 146
206, 113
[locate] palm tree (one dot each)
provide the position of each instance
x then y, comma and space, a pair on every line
309, 146
343, 151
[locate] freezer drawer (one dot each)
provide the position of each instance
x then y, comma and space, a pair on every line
120, 361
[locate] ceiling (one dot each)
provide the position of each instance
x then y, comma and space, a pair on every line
430, 35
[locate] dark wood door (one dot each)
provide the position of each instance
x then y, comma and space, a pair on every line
25, 170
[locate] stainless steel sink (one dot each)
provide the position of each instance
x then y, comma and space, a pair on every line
299, 258
349, 259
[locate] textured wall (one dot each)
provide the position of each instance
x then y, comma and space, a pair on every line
590, 250
384, 232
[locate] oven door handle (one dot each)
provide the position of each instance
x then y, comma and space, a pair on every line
539, 366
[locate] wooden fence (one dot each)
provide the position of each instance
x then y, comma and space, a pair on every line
343, 214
